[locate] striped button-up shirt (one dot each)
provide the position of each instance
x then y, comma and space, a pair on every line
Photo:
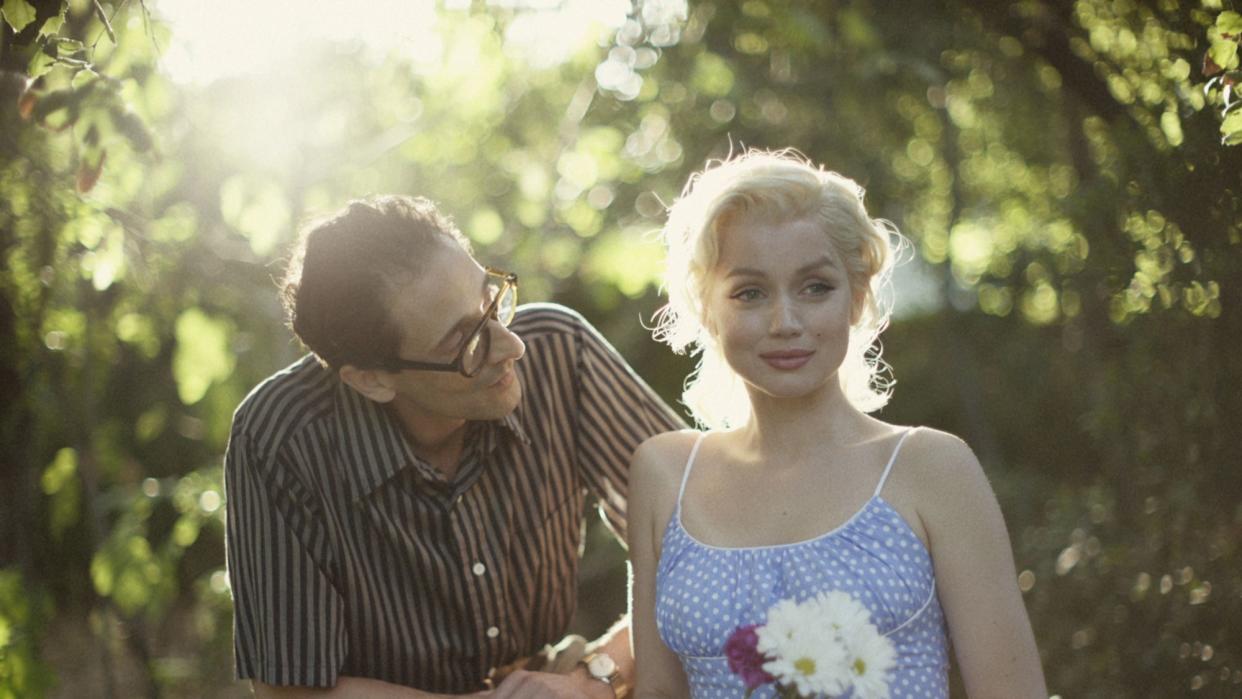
349, 555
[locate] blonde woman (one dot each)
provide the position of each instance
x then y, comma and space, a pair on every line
774, 270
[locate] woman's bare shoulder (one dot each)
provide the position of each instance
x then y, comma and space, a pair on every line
940, 449
655, 480
944, 468
663, 457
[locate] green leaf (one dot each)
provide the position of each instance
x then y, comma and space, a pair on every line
58, 473
1229, 23
712, 75
1171, 125
202, 355
40, 63
18, 13
1222, 51
151, 423
1180, 70
52, 26
1231, 129
126, 570
185, 531
66, 510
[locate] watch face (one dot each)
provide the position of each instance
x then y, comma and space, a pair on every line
602, 666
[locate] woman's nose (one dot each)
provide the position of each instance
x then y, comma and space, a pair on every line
785, 319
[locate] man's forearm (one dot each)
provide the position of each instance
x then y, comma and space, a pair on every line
616, 643
348, 688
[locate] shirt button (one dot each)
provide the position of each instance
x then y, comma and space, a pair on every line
479, 569
457, 501
492, 632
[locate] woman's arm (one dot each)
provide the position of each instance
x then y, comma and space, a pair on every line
975, 574
653, 495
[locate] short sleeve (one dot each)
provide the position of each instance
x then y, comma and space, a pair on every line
288, 620
617, 411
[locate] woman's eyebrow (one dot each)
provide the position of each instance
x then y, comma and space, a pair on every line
823, 261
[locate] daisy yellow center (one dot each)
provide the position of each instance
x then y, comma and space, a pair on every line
805, 666
860, 666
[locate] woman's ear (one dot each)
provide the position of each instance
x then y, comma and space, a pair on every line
371, 383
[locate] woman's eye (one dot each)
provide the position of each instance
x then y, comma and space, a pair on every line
819, 288
747, 295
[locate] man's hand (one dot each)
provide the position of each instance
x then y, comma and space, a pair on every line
523, 684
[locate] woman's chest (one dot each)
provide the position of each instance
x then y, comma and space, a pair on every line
743, 508
704, 593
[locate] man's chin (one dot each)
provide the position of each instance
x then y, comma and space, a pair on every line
506, 401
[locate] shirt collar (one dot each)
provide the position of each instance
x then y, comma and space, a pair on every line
374, 449
370, 442
514, 426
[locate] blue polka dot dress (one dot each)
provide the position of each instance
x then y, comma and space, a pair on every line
704, 593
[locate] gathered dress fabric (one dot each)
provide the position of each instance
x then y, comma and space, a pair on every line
705, 592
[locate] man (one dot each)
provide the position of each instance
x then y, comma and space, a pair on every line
405, 506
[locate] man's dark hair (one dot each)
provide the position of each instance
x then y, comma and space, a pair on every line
343, 274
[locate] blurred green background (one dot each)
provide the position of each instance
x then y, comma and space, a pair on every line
1065, 169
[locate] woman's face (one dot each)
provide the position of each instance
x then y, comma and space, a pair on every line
778, 304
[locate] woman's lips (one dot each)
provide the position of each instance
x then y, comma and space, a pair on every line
787, 360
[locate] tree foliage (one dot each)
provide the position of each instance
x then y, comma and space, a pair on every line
1066, 169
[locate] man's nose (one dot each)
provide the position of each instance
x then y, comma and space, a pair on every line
506, 345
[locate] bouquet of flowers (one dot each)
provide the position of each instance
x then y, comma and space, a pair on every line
823, 647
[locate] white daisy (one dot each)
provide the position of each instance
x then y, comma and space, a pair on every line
825, 646
813, 663
872, 656
807, 652
842, 611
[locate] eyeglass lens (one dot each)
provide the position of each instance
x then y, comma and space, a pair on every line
476, 351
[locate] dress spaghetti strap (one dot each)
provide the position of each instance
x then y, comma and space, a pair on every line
891, 460
689, 465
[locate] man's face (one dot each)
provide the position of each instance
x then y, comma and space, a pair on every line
437, 312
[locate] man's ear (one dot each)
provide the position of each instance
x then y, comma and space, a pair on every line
371, 383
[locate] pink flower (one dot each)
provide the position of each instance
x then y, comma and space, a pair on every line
745, 660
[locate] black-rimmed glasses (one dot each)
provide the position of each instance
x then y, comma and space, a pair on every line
470, 358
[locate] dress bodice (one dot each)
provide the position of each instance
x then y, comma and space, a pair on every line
705, 592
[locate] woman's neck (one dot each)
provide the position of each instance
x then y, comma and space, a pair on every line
781, 430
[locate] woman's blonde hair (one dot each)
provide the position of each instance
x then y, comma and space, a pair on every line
779, 186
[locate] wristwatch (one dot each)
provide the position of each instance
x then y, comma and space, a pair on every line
602, 667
